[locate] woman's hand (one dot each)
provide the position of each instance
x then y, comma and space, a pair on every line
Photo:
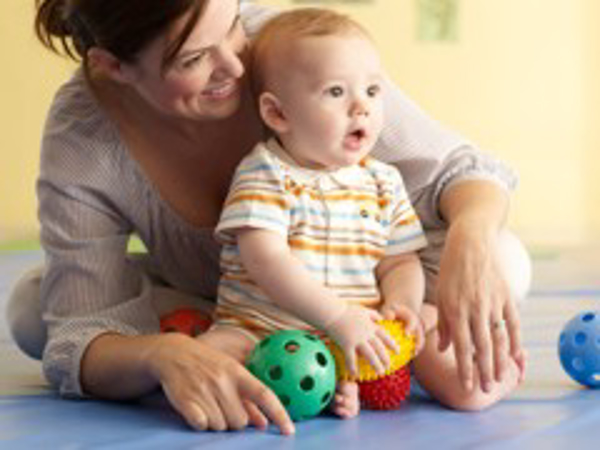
212, 390
476, 312
357, 333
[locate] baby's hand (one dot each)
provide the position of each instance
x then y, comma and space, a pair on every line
357, 333
413, 324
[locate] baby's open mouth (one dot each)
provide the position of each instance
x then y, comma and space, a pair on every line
358, 134
355, 138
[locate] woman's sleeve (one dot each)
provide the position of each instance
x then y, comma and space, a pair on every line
254, 16
89, 287
431, 157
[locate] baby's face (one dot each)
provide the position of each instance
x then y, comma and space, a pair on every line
330, 97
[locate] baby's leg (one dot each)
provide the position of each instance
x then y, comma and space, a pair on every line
437, 373
346, 403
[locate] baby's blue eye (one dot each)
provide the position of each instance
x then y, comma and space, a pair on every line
336, 91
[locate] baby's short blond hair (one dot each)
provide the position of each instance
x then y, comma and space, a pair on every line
289, 26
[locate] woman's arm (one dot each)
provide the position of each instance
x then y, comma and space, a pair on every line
471, 293
103, 330
210, 389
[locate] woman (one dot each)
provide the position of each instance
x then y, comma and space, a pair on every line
144, 138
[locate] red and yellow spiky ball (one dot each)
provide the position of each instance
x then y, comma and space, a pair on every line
386, 393
365, 371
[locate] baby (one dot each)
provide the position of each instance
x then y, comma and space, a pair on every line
316, 234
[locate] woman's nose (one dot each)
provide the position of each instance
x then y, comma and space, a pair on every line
229, 60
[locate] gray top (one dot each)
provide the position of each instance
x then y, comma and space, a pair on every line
93, 195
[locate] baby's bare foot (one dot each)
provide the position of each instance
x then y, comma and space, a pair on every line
346, 403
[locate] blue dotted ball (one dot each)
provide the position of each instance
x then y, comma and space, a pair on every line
579, 348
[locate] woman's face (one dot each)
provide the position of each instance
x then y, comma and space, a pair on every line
204, 81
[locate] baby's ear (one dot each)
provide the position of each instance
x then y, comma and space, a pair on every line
272, 113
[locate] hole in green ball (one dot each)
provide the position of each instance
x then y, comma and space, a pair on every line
275, 373
326, 398
285, 400
307, 383
321, 359
292, 347
310, 337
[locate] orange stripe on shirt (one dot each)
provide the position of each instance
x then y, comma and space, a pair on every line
262, 198
360, 250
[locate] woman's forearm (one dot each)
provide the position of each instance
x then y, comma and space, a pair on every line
120, 367
478, 203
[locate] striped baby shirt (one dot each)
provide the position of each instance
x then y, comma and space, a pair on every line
339, 223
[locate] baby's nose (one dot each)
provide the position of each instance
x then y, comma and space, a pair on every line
359, 108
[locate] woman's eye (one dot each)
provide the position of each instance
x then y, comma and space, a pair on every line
373, 90
191, 62
335, 91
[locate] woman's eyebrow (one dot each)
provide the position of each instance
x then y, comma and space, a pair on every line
201, 50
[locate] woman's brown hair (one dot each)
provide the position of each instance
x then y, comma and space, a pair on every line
122, 27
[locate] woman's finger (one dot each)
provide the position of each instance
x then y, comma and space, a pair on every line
215, 418
463, 351
255, 416
500, 346
194, 415
233, 410
266, 401
444, 329
484, 356
513, 328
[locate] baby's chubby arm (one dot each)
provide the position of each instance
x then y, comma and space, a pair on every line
402, 287
270, 262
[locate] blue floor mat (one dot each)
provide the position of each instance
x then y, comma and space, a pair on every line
549, 411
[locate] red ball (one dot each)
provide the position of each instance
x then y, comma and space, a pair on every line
187, 321
386, 393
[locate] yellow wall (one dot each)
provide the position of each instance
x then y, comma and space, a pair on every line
592, 83
28, 78
521, 81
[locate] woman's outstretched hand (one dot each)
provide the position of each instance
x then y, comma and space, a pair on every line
476, 313
212, 390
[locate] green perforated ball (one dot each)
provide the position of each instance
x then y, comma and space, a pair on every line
299, 368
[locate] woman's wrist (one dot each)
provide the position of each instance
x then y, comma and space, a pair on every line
476, 225
156, 356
